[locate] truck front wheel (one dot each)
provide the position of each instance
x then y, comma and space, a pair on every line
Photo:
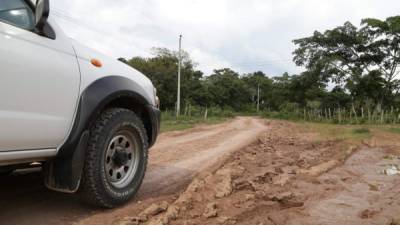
116, 159
5, 171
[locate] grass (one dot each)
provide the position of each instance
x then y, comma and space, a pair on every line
215, 115
395, 130
340, 132
361, 130
171, 124
354, 134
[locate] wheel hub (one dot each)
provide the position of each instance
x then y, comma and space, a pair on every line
121, 159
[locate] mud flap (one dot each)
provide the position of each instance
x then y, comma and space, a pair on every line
64, 173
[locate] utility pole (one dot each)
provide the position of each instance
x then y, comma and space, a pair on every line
258, 97
178, 102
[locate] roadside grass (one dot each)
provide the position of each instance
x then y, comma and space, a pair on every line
395, 130
361, 130
354, 134
169, 123
339, 132
194, 115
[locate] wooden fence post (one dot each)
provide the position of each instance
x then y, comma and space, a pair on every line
362, 112
355, 114
369, 115
391, 114
351, 115
398, 117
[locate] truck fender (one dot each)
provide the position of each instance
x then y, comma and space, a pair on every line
63, 173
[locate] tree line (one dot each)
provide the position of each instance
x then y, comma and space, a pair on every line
351, 75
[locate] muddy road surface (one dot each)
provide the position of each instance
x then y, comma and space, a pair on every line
175, 159
291, 175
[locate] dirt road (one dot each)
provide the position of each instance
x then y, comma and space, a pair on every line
246, 171
176, 158
290, 176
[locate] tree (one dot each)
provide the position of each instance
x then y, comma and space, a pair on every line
255, 80
367, 88
280, 91
336, 98
162, 70
347, 54
227, 89
307, 86
383, 49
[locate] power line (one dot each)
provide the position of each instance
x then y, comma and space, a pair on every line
70, 19
262, 62
258, 65
75, 21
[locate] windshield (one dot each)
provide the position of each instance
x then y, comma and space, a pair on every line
18, 13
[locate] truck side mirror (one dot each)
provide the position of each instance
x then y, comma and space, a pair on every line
42, 12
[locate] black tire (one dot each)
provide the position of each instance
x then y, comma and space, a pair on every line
5, 171
97, 187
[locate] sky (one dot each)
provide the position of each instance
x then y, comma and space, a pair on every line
245, 35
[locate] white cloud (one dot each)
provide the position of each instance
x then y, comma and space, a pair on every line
245, 35
209, 62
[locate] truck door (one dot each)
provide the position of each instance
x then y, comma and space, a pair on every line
39, 82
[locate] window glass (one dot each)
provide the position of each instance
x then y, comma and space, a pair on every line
18, 13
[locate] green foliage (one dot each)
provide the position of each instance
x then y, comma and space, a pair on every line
289, 107
227, 89
364, 59
162, 70
282, 115
224, 88
362, 62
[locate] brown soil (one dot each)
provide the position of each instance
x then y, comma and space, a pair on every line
173, 162
286, 177
245, 171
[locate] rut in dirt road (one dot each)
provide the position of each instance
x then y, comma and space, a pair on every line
173, 162
178, 156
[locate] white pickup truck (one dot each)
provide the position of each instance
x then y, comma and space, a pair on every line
86, 119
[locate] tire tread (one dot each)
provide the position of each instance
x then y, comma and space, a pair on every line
90, 188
